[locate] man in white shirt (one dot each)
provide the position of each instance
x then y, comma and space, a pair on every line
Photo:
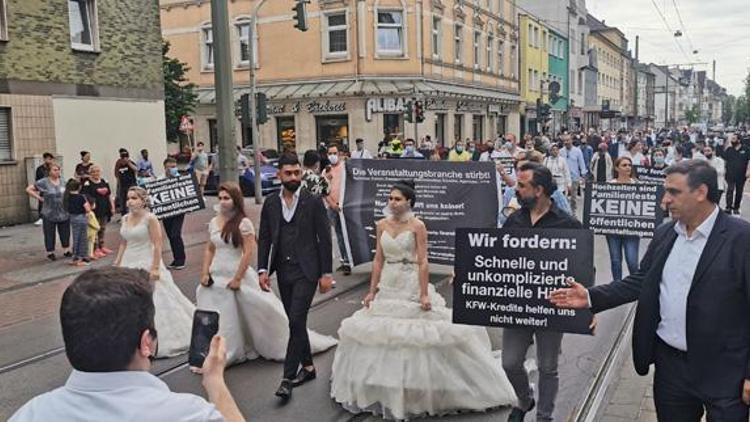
361, 152
107, 318
693, 315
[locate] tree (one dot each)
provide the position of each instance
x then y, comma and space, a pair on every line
180, 98
727, 109
741, 114
692, 115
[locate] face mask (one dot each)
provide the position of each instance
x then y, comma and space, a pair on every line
459, 149
471, 149
291, 186
409, 149
526, 202
659, 160
174, 172
334, 159
401, 209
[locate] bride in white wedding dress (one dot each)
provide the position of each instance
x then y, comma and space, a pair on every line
141, 248
401, 356
252, 321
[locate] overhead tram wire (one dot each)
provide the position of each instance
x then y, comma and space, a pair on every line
671, 32
682, 25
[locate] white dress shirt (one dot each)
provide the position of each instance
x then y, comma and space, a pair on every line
364, 154
676, 279
116, 396
288, 211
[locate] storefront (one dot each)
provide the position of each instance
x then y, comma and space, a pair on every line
301, 116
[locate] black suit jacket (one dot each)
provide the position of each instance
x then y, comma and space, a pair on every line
313, 246
718, 306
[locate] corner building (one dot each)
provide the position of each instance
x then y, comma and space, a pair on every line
350, 74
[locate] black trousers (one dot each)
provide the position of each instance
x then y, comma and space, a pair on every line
173, 227
297, 293
735, 187
63, 230
677, 400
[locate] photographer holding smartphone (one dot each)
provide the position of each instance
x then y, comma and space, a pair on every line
107, 318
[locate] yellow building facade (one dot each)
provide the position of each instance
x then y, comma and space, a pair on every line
615, 79
534, 65
351, 73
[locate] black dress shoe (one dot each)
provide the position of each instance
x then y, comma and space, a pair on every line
517, 415
346, 270
304, 376
285, 390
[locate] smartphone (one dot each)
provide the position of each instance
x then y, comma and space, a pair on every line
205, 327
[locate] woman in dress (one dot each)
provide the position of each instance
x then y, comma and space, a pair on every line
141, 248
401, 356
253, 321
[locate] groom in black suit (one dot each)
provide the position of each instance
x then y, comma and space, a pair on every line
295, 242
693, 314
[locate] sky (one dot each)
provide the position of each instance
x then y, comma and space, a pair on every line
718, 29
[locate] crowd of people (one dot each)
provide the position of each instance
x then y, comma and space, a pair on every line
400, 356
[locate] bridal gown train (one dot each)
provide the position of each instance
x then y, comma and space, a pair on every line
252, 321
398, 361
174, 312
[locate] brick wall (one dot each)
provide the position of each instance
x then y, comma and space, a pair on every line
38, 46
33, 132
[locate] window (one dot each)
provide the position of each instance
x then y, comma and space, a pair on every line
490, 43
208, 48
572, 40
3, 21
544, 40
83, 25
536, 37
458, 42
513, 61
477, 42
436, 37
572, 81
336, 44
500, 56
536, 80
583, 44
390, 33
6, 154
531, 35
243, 35
531, 80
580, 82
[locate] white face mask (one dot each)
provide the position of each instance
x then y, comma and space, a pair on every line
333, 158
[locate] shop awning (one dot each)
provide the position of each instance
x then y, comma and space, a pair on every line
371, 87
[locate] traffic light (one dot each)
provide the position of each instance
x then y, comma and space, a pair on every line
261, 110
418, 111
408, 112
245, 109
300, 15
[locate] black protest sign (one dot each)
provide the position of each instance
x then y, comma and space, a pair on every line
448, 196
627, 209
504, 277
173, 196
650, 175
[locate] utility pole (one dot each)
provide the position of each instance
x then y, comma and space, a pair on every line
253, 103
637, 79
224, 91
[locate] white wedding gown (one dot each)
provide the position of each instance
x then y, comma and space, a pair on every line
174, 312
252, 321
398, 361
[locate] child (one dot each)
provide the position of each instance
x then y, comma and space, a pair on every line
92, 229
77, 206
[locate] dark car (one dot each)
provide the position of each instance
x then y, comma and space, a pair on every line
269, 179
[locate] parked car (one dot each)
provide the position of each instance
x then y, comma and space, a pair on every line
269, 179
